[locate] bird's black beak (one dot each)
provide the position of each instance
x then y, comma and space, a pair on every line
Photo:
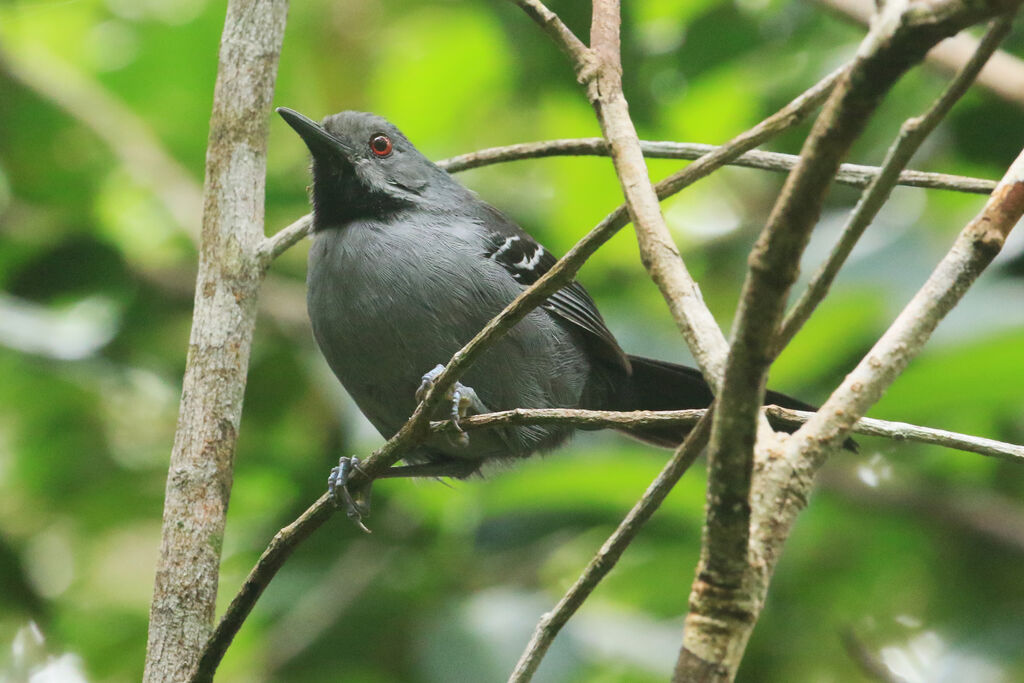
322, 145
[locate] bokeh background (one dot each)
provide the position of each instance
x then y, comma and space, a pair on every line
104, 107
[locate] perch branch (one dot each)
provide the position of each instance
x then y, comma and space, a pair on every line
610, 419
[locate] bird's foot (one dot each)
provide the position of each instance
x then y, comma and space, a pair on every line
463, 401
337, 487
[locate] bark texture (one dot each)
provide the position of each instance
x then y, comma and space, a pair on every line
200, 475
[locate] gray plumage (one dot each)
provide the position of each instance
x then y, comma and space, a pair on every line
407, 265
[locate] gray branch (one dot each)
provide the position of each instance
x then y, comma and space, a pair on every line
610, 419
855, 175
912, 134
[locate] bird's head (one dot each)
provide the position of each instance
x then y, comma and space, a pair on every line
362, 166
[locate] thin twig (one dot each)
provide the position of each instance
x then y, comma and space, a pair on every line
904, 431
284, 239
599, 419
603, 562
913, 132
856, 175
578, 53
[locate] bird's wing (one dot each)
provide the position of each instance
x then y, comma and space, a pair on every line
526, 261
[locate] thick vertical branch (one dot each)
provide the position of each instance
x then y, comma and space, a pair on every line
727, 596
200, 475
784, 483
898, 40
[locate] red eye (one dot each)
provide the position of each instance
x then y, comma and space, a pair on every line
380, 145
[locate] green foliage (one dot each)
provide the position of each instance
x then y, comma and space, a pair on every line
95, 298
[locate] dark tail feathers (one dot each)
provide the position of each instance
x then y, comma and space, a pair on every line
659, 385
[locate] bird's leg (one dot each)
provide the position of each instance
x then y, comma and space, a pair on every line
337, 486
337, 482
464, 401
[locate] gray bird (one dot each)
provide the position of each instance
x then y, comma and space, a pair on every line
407, 265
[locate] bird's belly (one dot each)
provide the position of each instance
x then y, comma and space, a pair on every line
381, 332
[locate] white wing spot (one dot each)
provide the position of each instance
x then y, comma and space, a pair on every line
506, 245
531, 263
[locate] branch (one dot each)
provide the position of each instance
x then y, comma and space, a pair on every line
200, 475
849, 174
1003, 75
973, 250
578, 53
559, 274
912, 133
897, 41
603, 419
280, 549
288, 538
729, 588
284, 239
785, 481
658, 251
904, 431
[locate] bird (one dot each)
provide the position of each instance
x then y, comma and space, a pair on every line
407, 265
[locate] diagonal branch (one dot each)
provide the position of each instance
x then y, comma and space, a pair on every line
973, 250
784, 482
731, 583
658, 251
603, 562
902, 35
1003, 75
913, 132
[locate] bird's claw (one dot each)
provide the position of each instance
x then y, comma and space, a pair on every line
337, 487
462, 399
428, 381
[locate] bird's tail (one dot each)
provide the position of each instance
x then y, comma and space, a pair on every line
659, 385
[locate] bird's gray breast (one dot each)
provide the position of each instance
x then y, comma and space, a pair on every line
390, 300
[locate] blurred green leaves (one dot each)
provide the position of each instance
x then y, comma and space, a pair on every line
453, 578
